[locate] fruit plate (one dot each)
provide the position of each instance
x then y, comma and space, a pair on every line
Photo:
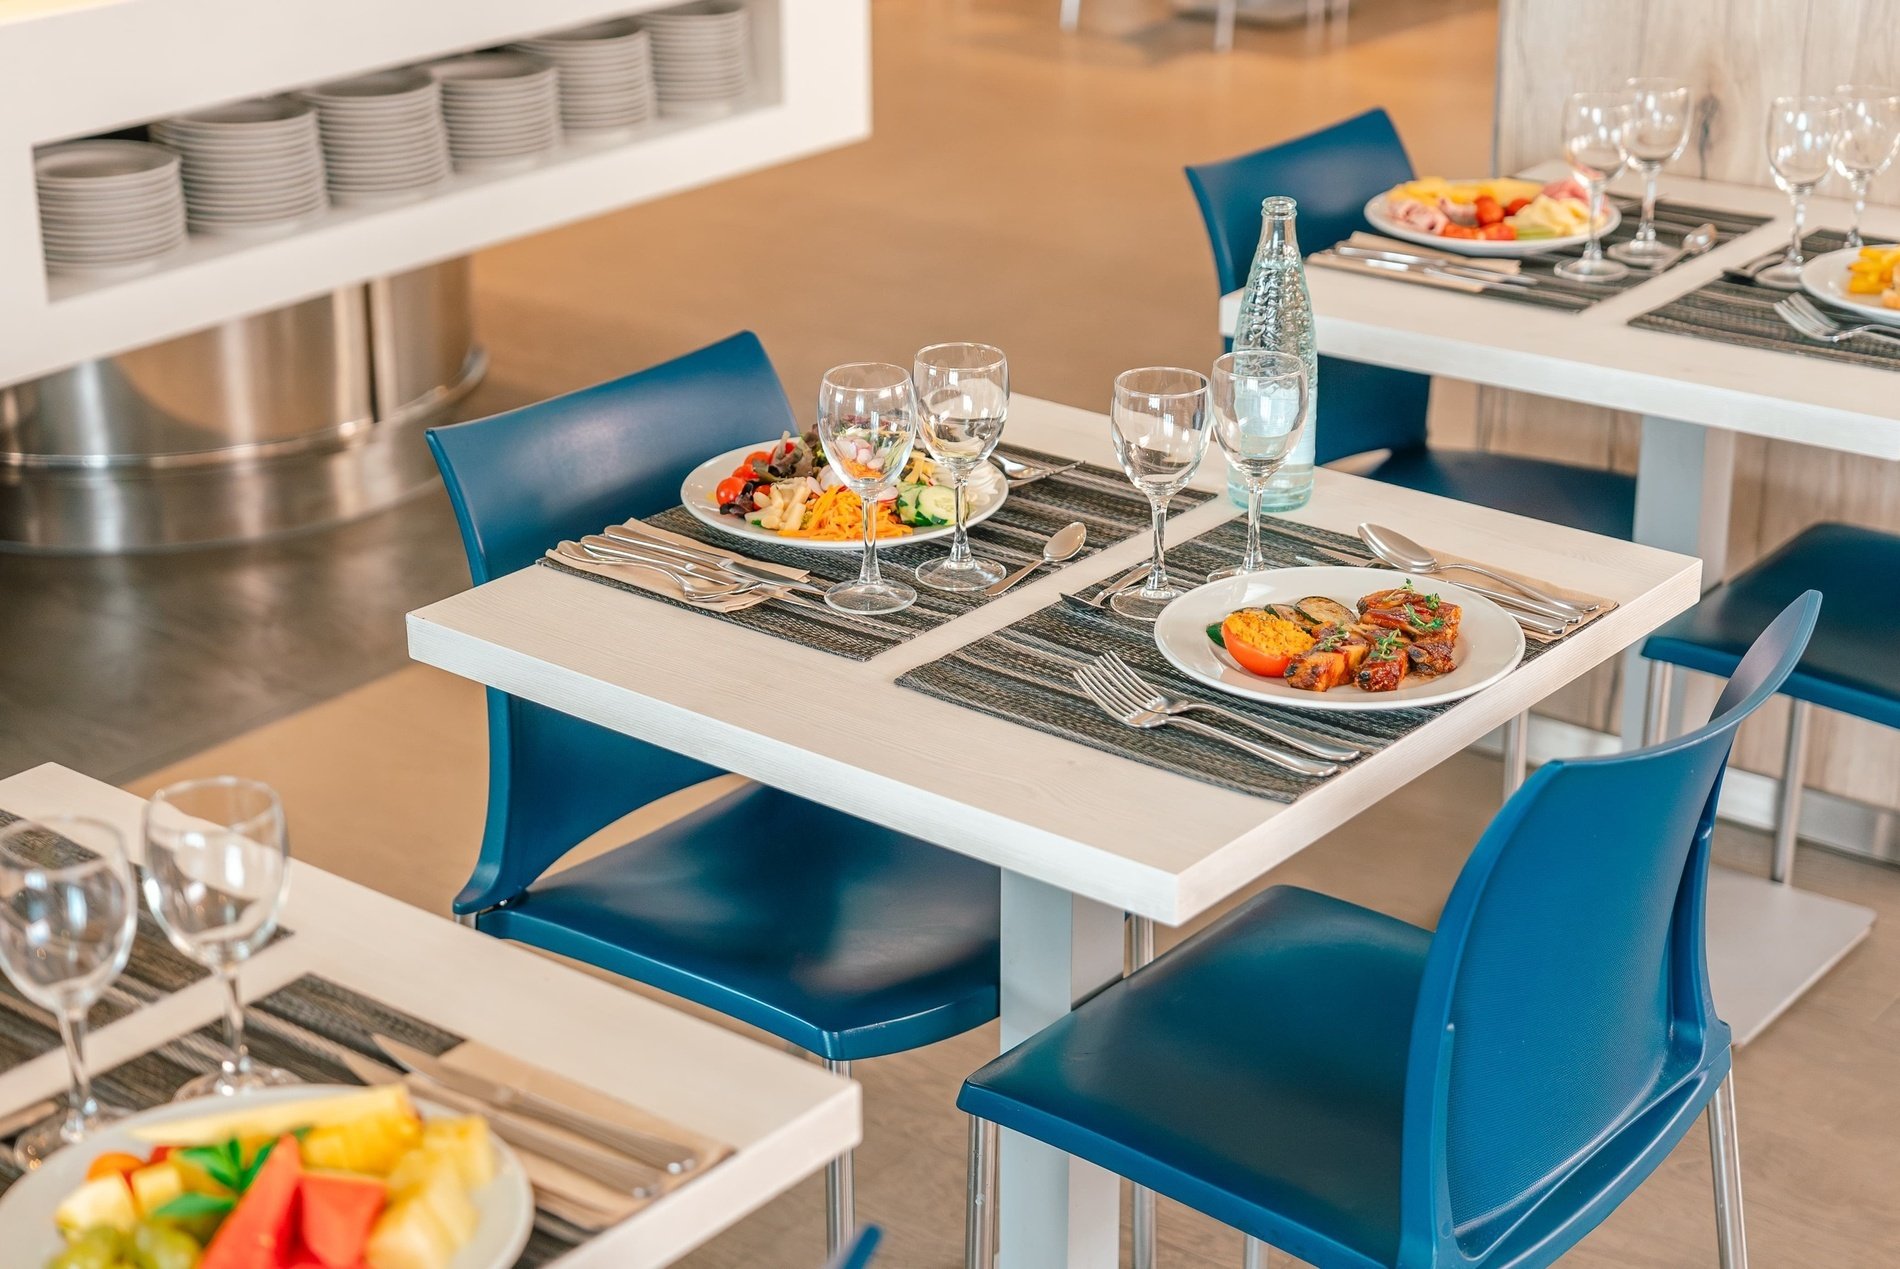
30, 1239
1490, 643
1385, 223
1825, 278
696, 494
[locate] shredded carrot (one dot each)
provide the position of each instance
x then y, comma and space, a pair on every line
836, 515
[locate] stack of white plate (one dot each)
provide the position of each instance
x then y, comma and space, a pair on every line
503, 109
383, 137
108, 205
606, 75
250, 166
702, 56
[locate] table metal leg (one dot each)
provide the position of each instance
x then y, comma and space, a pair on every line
1224, 14
1517, 753
1141, 951
1056, 1212
1071, 14
841, 1199
1256, 1255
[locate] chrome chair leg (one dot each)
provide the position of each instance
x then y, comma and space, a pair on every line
1656, 703
979, 1222
1141, 951
1725, 1153
1224, 15
463, 918
1256, 1255
1788, 814
1071, 14
841, 1201
1517, 753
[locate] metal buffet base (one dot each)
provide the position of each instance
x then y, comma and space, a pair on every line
286, 420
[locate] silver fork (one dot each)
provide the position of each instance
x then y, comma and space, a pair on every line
1019, 473
1129, 712
1801, 313
1122, 675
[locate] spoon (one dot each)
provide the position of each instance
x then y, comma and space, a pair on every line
1694, 243
1063, 543
1402, 553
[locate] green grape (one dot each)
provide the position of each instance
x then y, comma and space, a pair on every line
159, 1245
100, 1247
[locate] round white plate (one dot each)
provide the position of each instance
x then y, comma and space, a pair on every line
1382, 221
26, 1212
1490, 642
696, 494
1825, 278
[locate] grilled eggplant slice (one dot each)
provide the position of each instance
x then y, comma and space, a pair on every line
1321, 611
1294, 615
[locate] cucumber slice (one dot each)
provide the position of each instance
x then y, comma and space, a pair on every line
907, 503
936, 505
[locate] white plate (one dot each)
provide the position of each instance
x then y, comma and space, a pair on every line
696, 493
1490, 642
1382, 221
26, 1212
1825, 278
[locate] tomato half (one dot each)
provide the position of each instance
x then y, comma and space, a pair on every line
1250, 658
730, 490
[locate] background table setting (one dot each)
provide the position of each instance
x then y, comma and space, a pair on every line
641, 1131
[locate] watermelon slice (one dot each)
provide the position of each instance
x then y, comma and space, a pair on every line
336, 1212
258, 1232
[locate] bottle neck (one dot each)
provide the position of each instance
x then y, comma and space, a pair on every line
1277, 236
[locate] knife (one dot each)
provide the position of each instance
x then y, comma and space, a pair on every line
1431, 263
668, 1156
1529, 620
612, 1170
648, 541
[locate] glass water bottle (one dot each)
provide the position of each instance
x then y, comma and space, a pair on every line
1277, 314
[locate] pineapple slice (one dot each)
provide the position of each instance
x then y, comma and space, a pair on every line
465, 1140
408, 1236
106, 1201
372, 1144
156, 1185
273, 1121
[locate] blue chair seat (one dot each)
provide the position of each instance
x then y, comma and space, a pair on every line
1297, 1142
1587, 498
1841, 669
842, 937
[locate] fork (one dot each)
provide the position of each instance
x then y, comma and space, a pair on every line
1020, 473
1122, 675
1801, 313
1131, 713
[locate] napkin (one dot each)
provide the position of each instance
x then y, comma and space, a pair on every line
659, 584
1327, 260
1458, 576
1490, 264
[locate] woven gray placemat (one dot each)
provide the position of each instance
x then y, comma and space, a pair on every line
301, 1028
1100, 498
1022, 673
1738, 312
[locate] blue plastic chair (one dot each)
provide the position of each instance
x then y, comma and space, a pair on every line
844, 938
1361, 1093
1332, 173
860, 1253
1837, 673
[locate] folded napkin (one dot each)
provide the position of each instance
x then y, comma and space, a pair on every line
1458, 577
1490, 264
1327, 260
659, 584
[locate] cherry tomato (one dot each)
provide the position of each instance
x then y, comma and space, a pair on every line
1516, 205
729, 490
1488, 210
159, 1155
1498, 232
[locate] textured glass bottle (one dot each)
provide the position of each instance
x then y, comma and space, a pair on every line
1277, 314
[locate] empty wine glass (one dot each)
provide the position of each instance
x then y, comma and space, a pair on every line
1259, 401
1158, 421
217, 868
962, 404
867, 422
1594, 146
1660, 110
1868, 140
1801, 135
67, 916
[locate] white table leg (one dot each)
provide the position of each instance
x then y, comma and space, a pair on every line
1071, 14
1056, 1212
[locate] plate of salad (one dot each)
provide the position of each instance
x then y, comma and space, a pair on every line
312, 1177
784, 491
1495, 216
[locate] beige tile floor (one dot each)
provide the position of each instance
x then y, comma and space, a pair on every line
1024, 187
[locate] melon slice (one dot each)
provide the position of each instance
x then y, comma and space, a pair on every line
336, 1211
258, 1232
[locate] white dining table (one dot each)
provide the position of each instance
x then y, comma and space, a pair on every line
1082, 837
1769, 941
784, 1118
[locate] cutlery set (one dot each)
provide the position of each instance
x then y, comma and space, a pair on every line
1360, 253
1019, 473
1809, 319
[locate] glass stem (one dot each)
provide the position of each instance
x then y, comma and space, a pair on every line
72, 1033
1646, 232
239, 1062
959, 538
1594, 251
1860, 206
1158, 575
1800, 200
1256, 489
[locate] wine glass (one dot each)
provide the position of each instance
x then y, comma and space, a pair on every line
1658, 132
1869, 138
216, 872
1259, 401
962, 404
1801, 135
1595, 148
867, 422
67, 916
1158, 421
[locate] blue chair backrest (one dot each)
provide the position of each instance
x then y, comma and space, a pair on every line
1331, 173
524, 480
1566, 989
860, 1253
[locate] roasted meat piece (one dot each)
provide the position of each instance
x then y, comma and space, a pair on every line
1384, 667
1353, 640
1430, 656
1317, 671
1419, 616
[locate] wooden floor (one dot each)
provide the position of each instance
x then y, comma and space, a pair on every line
1024, 187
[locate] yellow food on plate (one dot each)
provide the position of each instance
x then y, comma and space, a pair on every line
272, 1121
1876, 273
1429, 189
837, 515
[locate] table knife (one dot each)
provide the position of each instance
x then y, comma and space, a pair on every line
613, 1170
705, 559
668, 1156
1435, 263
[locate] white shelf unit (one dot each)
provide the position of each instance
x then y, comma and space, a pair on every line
94, 68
